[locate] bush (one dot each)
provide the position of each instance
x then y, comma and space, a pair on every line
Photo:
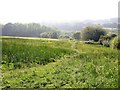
92, 33
106, 43
54, 35
113, 35
104, 40
44, 35
115, 43
76, 35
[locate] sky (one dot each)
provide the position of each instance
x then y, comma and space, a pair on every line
25, 11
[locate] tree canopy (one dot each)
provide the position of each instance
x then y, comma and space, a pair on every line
27, 30
92, 33
76, 35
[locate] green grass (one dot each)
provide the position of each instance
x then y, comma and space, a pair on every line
19, 53
63, 64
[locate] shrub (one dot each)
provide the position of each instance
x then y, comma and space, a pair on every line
92, 33
44, 35
76, 35
115, 43
54, 35
104, 40
106, 43
113, 35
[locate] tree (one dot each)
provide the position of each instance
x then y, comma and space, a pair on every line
54, 35
44, 35
92, 33
105, 40
27, 30
76, 35
7, 29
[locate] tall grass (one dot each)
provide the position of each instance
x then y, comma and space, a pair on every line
19, 53
77, 65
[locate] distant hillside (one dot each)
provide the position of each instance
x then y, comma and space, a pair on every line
77, 26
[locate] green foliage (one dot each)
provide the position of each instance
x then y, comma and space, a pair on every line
92, 33
115, 43
54, 35
80, 66
20, 53
45, 35
76, 35
113, 35
105, 40
25, 30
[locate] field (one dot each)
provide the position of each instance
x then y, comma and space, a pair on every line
52, 63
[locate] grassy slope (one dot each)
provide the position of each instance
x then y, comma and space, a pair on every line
92, 66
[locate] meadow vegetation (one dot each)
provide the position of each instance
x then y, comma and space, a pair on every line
115, 43
49, 63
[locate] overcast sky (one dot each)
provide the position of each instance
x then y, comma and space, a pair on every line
26, 11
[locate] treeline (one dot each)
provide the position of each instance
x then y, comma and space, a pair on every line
29, 30
88, 34
42, 31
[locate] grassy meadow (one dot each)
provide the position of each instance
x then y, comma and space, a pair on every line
55, 63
